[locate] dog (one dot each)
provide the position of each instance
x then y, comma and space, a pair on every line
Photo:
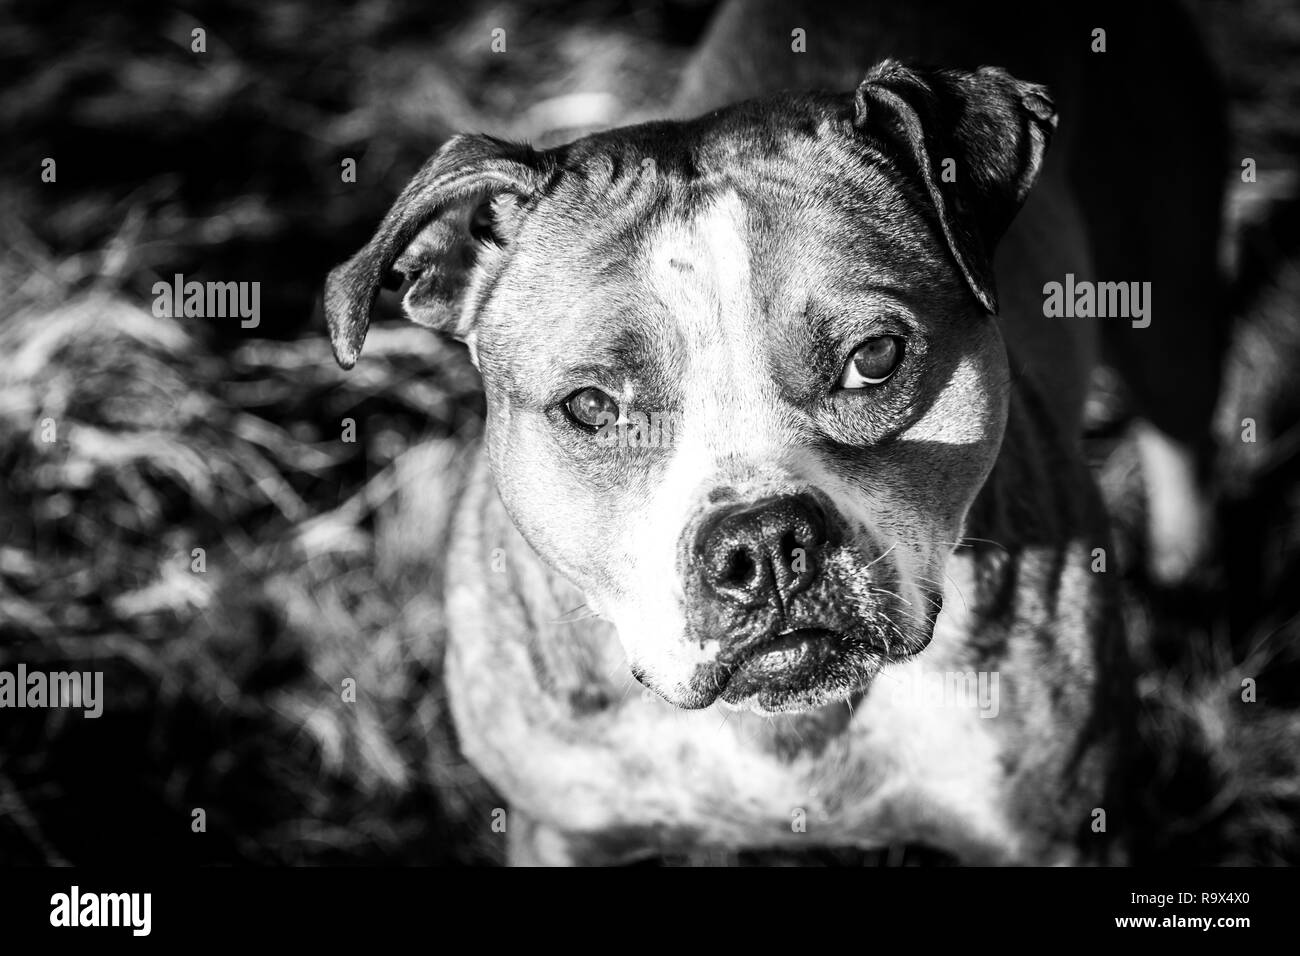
770, 432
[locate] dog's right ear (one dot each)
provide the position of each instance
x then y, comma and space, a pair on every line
465, 200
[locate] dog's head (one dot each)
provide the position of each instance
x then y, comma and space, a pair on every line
741, 380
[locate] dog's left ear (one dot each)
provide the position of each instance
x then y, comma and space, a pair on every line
466, 200
994, 127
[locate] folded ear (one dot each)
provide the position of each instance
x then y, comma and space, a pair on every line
464, 202
996, 128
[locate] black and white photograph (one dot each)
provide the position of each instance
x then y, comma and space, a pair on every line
677, 433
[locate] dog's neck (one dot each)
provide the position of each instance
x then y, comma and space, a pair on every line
1037, 502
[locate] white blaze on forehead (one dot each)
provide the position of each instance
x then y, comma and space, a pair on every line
729, 419
701, 273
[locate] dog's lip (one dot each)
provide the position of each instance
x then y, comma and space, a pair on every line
793, 655
790, 639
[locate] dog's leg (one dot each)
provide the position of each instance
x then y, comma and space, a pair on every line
1149, 171
532, 843
1180, 516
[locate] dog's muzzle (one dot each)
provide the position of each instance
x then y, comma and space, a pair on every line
796, 606
759, 565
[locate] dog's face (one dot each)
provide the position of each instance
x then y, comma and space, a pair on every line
750, 421
741, 387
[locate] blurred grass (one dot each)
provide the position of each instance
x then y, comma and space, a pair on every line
320, 563
324, 557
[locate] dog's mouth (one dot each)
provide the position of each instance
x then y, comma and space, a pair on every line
798, 669
789, 662
809, 646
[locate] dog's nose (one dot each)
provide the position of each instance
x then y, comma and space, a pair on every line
764, 550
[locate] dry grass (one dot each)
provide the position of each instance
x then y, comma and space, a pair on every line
323, 558
321, 563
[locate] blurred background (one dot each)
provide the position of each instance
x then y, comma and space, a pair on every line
323, 557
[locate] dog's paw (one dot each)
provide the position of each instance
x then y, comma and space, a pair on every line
1180, 515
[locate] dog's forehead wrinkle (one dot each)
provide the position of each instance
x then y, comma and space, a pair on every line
715, 142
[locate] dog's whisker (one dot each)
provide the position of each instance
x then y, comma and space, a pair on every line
938, 586
876, 589
882, 556
960, 593
565, 618
990, 541
627, 687
937, 605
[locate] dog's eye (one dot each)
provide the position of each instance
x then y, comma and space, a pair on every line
591, 408
873, 362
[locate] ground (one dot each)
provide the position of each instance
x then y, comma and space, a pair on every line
199, 529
